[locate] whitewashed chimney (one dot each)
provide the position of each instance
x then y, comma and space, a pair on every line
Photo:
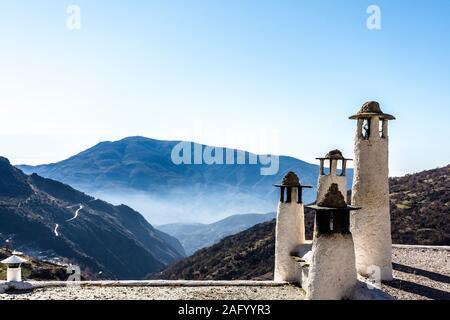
326, 178
371, 228
14, 270
290, 229
332, 273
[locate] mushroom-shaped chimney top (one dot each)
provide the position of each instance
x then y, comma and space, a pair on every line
13, 260
291, 180
371, 109
333, 200
334, 155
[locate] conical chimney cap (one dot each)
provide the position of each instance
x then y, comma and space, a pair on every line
333, 200
13, 260
291, 180
333, 155
371, 109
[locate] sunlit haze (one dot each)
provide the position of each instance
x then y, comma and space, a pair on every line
265, 76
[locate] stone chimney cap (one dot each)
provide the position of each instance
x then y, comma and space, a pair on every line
334, 155
333, 200
291, 180
371, 109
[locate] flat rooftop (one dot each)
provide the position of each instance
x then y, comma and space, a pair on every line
159, 290
420, 273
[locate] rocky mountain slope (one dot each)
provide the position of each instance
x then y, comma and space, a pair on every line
246, 255
198, 235
420, 214
47, 219
420, 207
140, 172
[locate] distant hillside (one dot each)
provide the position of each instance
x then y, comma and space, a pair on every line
196, 236
139, 172
420, 215
420, 207
246, 255
35, 269
47, 219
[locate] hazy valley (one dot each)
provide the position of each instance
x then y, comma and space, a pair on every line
139, 172
199, 235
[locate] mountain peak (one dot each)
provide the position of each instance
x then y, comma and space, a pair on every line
4, 160
139, 138
13, 182
141, 172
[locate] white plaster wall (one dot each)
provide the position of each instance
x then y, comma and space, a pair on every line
332, 273
305, 277
371, 226
365, 291
289, 233
325, 181
14, 274
305, 269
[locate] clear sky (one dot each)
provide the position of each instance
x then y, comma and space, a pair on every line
238, 73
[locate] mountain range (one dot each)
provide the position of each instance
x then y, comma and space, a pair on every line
420, 215
48, 219
139, 172
199, 235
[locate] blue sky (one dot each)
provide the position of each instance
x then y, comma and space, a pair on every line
267, 76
